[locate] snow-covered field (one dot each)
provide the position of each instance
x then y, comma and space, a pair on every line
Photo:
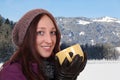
100, 70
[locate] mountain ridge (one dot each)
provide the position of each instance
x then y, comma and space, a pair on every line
90, 30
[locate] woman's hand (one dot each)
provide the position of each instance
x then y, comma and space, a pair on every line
69, 70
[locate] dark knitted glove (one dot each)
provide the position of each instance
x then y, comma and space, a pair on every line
69, 70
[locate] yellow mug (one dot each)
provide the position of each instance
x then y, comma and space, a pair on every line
75, 49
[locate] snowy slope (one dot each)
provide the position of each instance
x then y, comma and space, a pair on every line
102, 19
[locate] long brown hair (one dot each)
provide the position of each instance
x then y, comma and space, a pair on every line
27, 53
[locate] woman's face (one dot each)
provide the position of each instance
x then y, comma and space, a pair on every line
46, 36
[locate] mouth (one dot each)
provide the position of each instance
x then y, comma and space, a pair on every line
47, 48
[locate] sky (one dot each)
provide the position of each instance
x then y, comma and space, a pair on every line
15, 9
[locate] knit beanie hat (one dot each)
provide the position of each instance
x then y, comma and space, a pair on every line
22, 25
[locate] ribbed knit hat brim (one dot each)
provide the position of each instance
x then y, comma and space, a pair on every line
22, 25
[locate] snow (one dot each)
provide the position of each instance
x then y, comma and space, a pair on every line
103, 19
100, 70
83, 22
118, 49
92, 41
82, 33
107, 19
1, 64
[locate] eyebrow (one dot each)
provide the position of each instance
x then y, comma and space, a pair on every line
53, 28
40, 28
45, 28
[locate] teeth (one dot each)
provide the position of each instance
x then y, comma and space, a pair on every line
46, 47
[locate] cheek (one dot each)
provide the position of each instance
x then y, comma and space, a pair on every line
38, 40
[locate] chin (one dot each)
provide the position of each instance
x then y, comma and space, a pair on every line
46, 56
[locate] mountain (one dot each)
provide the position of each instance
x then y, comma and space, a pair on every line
90, 30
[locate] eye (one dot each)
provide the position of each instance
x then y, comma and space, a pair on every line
40, 33
53, 32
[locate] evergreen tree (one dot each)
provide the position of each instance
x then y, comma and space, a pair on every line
1, 21
7, 21
6, 46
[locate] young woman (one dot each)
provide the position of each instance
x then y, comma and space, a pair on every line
37, 39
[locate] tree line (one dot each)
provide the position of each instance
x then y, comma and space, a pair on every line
6, 46
98, 51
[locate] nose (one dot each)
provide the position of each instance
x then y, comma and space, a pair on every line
48, 38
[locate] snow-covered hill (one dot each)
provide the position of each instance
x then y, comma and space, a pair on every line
107, 19
90, 30
102, 19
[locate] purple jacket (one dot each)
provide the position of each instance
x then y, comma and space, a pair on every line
12, 72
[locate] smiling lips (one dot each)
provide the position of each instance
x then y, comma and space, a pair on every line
46, 48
